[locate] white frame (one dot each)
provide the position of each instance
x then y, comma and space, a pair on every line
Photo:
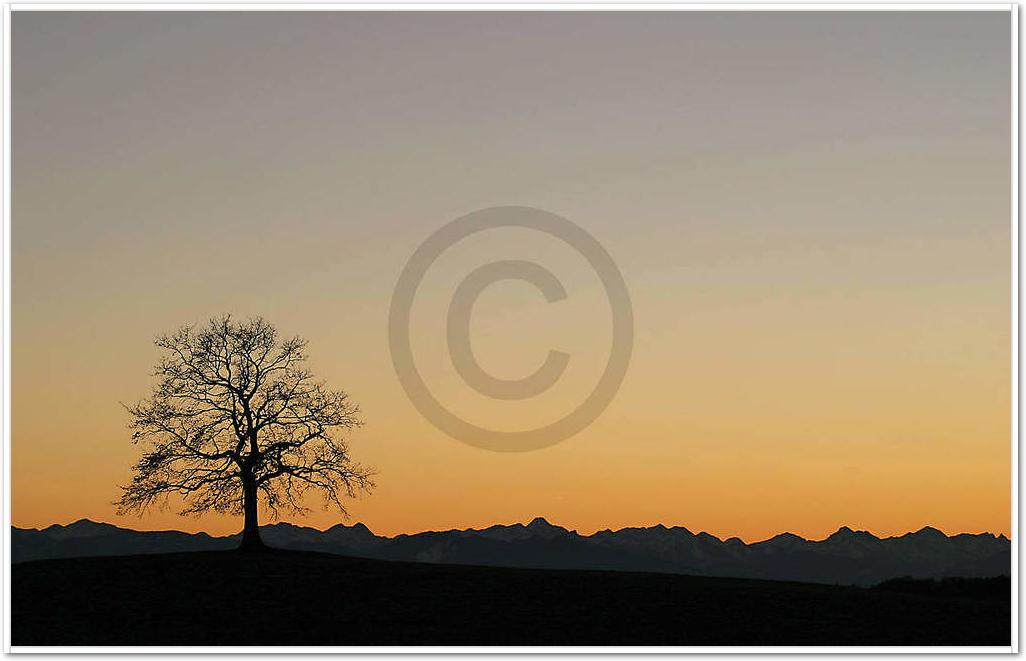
8, 7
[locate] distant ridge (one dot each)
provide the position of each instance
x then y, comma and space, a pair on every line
845, 557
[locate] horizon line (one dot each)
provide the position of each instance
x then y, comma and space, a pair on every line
851, 530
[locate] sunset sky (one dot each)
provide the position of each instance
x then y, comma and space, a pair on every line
811, 213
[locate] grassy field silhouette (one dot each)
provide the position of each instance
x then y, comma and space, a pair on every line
303, 598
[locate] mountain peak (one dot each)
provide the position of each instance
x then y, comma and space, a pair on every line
784, 539
851, 557
844, 532
539, 527
929, 531
285, 525
82, 523
80, 528
357, 527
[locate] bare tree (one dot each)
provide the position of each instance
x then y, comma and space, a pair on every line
235, 415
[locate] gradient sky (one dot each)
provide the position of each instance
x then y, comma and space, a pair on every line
811, 212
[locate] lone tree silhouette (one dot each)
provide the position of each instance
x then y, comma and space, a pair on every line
235, 415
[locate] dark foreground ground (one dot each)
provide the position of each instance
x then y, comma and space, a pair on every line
296, 598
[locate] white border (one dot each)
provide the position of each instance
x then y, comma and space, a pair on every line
1015, 329
21, 649
504, 6
520, 6
7, 327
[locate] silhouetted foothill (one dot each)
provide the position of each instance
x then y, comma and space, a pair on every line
845, 557
302, 598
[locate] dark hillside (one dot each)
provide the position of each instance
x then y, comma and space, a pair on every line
303, 598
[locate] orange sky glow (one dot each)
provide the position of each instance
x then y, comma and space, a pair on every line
813, 226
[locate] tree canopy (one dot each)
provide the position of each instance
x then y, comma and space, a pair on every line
235, 415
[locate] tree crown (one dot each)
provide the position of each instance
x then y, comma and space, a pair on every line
234, 407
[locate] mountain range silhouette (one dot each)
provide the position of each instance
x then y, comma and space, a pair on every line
849, 557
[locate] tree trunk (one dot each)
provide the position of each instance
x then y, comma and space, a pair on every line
251, 528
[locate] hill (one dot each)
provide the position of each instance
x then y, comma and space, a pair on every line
302, 598
847, 557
